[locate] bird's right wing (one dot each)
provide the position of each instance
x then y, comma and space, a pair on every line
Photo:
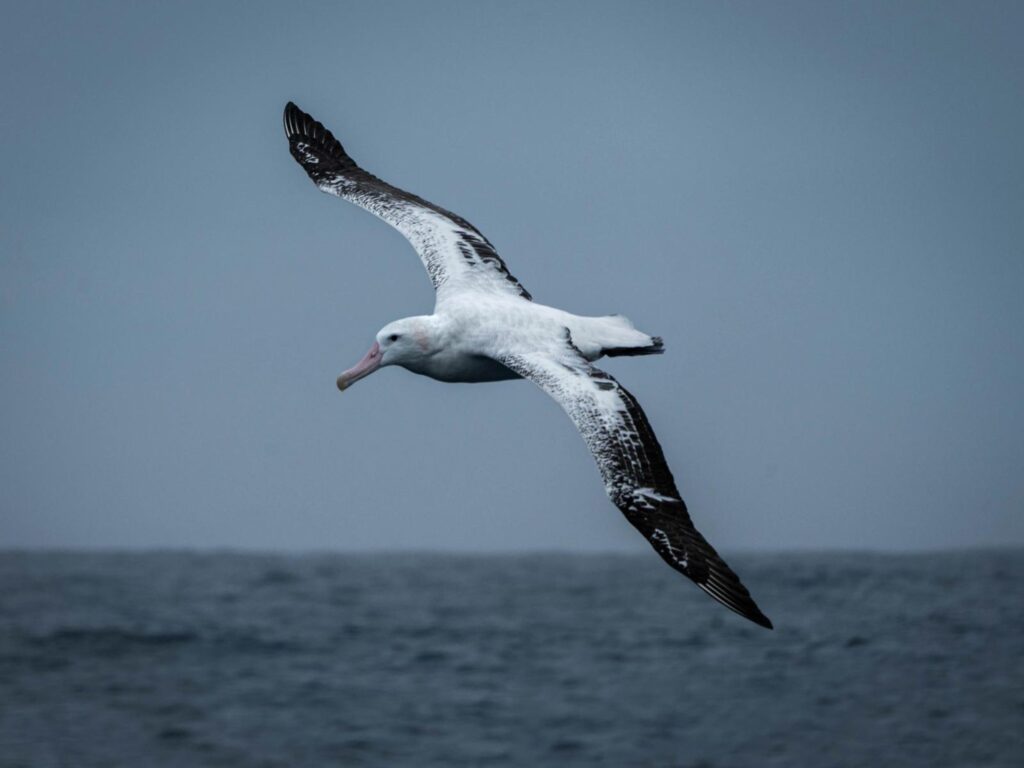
636, 476
457, 256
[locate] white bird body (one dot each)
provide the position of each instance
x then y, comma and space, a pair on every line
486, 327
462, 339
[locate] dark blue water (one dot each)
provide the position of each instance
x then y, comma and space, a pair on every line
430, 660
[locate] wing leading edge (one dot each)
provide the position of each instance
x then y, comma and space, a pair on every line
455, 253
635, 473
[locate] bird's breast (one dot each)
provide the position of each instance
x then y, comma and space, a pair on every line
462, 367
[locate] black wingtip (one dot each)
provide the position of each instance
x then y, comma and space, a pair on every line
290, 123
299, 123
760, 619
301, 127
737, 599
713, 575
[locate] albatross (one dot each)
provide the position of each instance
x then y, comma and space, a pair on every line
486, 327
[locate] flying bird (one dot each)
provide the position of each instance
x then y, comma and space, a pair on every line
486, 327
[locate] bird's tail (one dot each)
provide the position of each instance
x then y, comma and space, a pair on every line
654, 346
616, 336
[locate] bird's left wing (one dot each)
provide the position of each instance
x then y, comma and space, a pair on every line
455, 253
633, 467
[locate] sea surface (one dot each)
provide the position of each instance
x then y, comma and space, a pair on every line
217, 659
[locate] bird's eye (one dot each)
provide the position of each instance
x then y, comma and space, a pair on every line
393, 337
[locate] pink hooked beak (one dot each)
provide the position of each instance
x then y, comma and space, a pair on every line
366, 366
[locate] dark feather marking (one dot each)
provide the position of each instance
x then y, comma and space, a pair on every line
466, 253
631, 462
328, 164
656, 347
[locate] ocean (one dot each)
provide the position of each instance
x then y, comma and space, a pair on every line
399, 659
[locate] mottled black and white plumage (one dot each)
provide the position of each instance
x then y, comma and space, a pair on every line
485, 327
454, 252
636, 475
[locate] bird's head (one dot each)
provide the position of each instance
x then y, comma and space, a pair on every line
404, 342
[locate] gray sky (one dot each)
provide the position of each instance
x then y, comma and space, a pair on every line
819, 206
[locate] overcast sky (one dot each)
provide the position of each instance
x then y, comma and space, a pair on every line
819, 206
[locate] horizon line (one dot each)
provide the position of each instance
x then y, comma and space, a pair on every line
241, 550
